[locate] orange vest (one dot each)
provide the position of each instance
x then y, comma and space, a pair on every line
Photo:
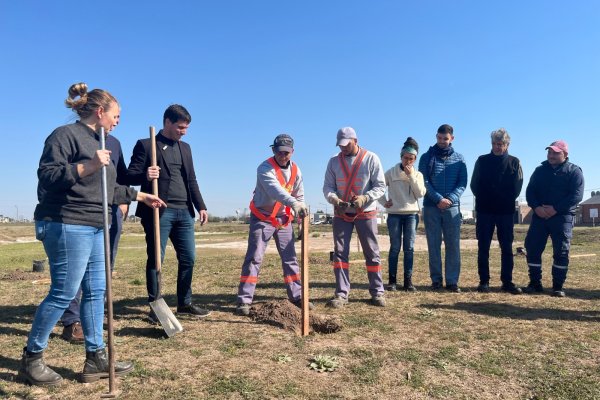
288, 186
349, 180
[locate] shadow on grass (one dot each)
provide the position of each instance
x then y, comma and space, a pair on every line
517, 312
14, 365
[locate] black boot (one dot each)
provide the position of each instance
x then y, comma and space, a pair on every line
408, 285
35, 371
96, 366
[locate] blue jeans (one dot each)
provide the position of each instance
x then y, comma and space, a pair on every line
76, 255
447, 223
71, 314
504, 225
178, 225
399, 224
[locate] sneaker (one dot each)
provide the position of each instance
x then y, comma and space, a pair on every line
298, 303
152, 318
453, 288
378, 300
193, 310
243, 309
511, 288
437, 286
483, 288
533, 288
391, 287
73, 333
96, 366
408, 285
35, 371
558, 293
337, 302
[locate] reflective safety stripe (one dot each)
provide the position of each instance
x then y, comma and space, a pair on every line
560, 266
373, 268
248, 279
340, 265
348, 185
291, 278
287, 186
535, 265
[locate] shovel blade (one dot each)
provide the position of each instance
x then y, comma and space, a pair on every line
166, 317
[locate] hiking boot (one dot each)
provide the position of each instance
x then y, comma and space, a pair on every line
337, 302
483, 288
533, 288
191, 309
298, 303
378, 300
437, 286
511, 288
243, 309
453, 288
96, 366
35, 371
408, 285
73, 333
391, 287
152, 318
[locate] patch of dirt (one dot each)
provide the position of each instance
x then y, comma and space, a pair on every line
285, 315
19, 275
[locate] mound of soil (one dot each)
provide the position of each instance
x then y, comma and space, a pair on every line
18, 275
285, 315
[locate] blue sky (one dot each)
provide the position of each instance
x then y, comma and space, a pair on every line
249, 70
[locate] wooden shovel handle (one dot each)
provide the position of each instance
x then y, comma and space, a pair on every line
157, 252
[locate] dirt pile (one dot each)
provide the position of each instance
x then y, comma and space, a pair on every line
285, 315
18, 275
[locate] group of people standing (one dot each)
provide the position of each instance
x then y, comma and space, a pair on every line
69, 218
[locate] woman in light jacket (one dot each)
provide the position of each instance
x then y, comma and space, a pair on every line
405, 186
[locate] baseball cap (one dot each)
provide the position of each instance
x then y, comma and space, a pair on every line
344, 136
558, 146
283, 142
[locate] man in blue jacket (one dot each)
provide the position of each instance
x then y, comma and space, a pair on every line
445, 174
553, 193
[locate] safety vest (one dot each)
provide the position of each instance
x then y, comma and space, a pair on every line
287, 186
349, 181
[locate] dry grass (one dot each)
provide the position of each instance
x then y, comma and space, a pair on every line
423, 345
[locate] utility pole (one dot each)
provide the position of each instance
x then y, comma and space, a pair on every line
17, 219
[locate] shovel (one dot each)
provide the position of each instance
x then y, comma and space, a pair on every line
304, 275
162, 311
109, 305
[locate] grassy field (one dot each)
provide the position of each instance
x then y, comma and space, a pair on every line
422, 345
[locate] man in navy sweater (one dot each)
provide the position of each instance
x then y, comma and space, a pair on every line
553, 193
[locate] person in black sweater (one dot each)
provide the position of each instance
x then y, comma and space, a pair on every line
69, 222
496, 183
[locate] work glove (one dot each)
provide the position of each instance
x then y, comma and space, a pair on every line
300, 209
360, 201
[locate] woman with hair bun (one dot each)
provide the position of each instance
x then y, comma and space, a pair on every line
405, 187
69, 222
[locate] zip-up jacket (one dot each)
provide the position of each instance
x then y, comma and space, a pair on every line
560, 187
444, 177
496, 183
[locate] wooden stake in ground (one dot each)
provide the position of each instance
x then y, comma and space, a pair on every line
109, 305
304, 275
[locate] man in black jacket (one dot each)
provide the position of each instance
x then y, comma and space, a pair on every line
178, 187
496, 183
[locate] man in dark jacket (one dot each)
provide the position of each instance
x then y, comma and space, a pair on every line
496, 183
553, 193
178, 186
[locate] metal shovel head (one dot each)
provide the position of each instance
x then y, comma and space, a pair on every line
166, 317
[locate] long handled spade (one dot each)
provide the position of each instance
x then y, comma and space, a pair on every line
162, 311
109, 304
304, 276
